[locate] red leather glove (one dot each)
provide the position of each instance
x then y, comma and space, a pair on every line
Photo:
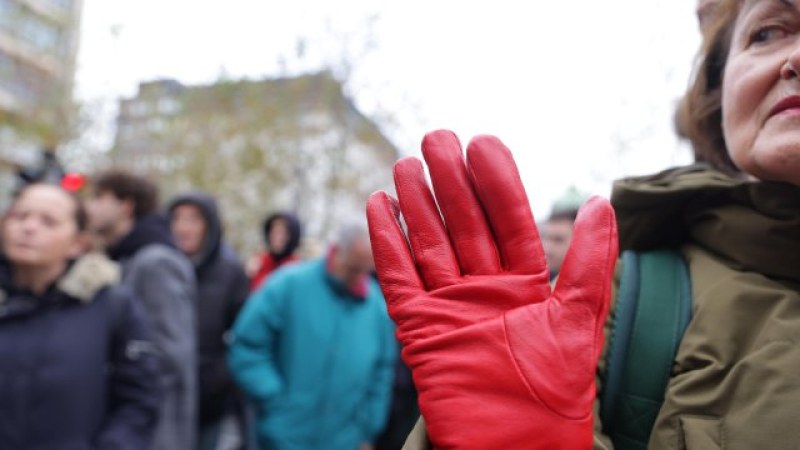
500, 361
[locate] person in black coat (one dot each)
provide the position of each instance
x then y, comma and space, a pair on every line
222, 290
78, 370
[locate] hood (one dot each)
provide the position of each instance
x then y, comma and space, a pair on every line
295, 233
150, 229
212, 243
752, 225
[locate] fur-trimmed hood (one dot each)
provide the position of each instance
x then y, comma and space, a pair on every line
88, 275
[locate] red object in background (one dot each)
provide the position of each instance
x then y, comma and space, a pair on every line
73, 182
267, 266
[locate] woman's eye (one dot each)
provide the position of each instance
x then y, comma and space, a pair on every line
16, 215
767, 34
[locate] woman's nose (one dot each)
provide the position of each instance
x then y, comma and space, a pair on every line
791, 67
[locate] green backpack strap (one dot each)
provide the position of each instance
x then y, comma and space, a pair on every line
652, 311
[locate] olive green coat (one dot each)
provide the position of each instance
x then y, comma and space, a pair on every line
736, 377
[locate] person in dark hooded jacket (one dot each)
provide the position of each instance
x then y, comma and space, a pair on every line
78, 370
282, 233
222, 290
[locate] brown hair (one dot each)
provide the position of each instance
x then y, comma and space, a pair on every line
81, 216
128, 186
699, 115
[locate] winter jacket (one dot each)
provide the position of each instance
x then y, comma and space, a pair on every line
163, 279
77, 367
316, 361
271, 260
735, 383
222, 287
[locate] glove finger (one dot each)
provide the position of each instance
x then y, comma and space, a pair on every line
499, 187
429, 241
557, 343
588, 268
393, 261
463, 214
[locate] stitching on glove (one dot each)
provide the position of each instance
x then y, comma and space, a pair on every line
531, 389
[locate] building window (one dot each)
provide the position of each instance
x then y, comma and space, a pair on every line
38, 33
168, 106
156, 125
9, 11
139, 108
25, 83
29, 27
7, 7
63, 5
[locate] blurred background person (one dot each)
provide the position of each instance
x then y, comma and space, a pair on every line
222, 287
282, 233
77, 367
556, 235
314, 350
122, 213
556, 231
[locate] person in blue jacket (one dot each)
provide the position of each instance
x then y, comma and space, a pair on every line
314, 351
78, 370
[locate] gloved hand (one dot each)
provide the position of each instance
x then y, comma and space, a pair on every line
499, 361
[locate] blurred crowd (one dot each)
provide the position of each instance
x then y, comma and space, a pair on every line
125, 324
130, 324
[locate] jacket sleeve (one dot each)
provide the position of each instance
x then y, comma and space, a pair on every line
164, 282
168, 291
250, 357
134, 397
377, 400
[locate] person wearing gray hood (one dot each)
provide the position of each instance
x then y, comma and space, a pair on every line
222, 289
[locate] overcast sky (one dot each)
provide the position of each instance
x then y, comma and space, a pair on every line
582, 91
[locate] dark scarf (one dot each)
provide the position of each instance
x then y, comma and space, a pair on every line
150, 229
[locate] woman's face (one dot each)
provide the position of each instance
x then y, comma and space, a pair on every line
279, 235
761, 90
40, 229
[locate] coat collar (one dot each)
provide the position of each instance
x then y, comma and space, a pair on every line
88, 275
82, 281
753, 226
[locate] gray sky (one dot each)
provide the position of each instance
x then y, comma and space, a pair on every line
582, 91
